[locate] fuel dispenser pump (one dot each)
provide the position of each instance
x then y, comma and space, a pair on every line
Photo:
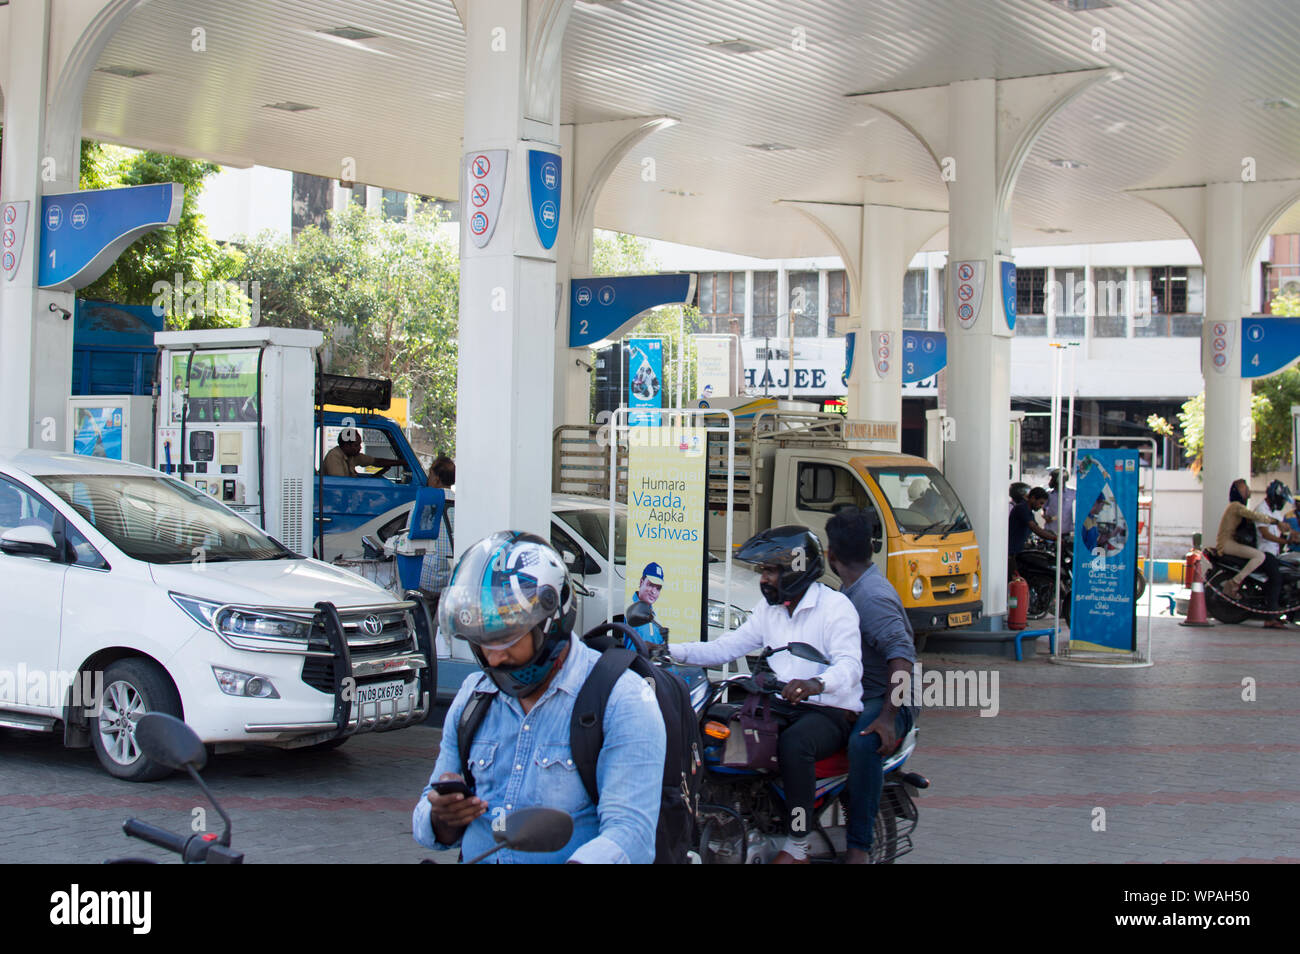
236, 421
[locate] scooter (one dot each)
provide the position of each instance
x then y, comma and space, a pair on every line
171, 742
742, 811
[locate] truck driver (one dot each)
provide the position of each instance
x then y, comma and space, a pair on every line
343, 461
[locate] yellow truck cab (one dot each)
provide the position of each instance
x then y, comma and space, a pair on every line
798, 467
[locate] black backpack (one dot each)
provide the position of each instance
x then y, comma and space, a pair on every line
679, 795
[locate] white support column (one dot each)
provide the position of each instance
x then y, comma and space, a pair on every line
979, 359
1227, 395
35, 341
508, 288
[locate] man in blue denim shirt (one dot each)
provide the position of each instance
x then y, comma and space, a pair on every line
510, 597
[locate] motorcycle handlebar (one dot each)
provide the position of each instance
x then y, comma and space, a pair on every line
167, 840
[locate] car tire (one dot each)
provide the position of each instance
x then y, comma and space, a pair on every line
132, 687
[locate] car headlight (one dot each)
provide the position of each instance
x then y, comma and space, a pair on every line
716, 609
918, 588
239, 623
975, 583
235, 683
198, 610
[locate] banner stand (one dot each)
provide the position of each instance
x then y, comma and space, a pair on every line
675, 421
1140, 657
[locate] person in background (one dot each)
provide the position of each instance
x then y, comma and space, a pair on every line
436, 570
1021, 523
1059, 513
652, 582
1277, 499
1237, 512
343, 461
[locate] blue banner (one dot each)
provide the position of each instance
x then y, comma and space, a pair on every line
544, 193
97, 431
1268, 345
1009, 293
1102, 604
645, 368
83, 233
924, 354
600, 309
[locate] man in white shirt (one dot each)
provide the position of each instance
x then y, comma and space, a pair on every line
1276, 500
827, 699
1059, 513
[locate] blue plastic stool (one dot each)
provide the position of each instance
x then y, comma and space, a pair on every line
1034, 634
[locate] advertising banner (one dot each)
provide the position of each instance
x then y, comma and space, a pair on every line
645, 367
222, 388
713, 364
665, 519
1102, 605
98, 432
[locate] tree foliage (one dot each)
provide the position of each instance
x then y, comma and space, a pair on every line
385, 294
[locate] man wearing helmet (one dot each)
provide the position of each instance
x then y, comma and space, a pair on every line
1276, 503
511, 599
797, 608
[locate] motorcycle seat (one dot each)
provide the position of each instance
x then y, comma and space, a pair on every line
837, 764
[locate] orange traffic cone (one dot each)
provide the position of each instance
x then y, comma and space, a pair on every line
1196, 615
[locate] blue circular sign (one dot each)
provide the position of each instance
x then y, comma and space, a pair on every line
79, 216
54, 217
606, 294
584, 295
549, 214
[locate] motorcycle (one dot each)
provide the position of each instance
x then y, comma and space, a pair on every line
1250, 601
1037, 564
169, 741
742, 812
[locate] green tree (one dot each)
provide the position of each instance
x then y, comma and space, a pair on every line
386, 296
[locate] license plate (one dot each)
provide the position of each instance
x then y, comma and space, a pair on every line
383, 693
958, 619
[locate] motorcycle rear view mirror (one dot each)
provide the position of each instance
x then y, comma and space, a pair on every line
638, 614
531, 829
168, 740
810, 653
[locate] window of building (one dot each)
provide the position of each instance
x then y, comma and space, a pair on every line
803, 303
394, 205
916, 299
764, 297
1110, 293
837, 301
721, 299
1071, 297
1170, 301
1031, 301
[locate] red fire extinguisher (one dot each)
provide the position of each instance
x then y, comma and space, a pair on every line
1017, 602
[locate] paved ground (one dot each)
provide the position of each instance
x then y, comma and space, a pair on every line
1184, 769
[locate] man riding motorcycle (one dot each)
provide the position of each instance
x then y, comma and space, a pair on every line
828, 702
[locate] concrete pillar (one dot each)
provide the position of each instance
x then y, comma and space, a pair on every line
508, 288
1227, 395
35, 341
979, 357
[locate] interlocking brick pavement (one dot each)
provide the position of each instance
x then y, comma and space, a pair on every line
1185, 770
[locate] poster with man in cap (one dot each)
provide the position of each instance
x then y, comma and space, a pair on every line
647, 591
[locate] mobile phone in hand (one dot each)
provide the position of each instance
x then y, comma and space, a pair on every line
452, 786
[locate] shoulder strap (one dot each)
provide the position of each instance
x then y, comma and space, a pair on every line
587, 726
471, 717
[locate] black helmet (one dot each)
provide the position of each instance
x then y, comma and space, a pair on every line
1277, 493
796, 550
504, 588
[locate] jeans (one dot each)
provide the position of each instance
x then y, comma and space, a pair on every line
816, 733
866, 772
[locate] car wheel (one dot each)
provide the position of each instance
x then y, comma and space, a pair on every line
132, 687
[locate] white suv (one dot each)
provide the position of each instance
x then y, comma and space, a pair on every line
126, 591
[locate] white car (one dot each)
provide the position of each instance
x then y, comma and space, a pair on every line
127, 592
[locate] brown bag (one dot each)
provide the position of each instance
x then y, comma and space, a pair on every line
752, 743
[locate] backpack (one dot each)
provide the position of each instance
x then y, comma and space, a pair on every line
679, 794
